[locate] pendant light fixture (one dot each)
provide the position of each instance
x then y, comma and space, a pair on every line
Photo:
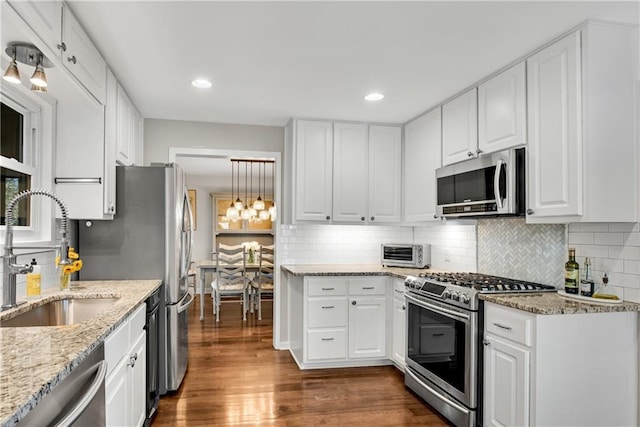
28, 54
238, 203
232, 212
272, 209
259, 203
245, 214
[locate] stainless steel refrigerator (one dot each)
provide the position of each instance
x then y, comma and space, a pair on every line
150, 237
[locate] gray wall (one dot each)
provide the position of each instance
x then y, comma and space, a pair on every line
160, 135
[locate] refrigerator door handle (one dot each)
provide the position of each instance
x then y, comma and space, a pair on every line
186, 252
186, 302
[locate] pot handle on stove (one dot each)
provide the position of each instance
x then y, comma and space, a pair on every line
496, 183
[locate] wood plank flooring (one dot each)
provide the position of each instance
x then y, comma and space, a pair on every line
236, 378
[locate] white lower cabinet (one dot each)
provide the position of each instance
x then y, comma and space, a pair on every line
399, 344
125, 386
345, 321
561, 370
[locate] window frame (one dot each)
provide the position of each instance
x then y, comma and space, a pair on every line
38, 146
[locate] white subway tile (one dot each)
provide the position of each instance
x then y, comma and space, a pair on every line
608, 238
624, 227
592, 251
579, 238
622, 252
589, 227
631, 239
632, 295
607, 264
632, 267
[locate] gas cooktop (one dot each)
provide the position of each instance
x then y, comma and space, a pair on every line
462, 289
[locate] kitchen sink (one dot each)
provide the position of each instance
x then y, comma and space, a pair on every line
66, 311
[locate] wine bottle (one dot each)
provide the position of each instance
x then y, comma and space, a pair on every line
587, 283
571, 273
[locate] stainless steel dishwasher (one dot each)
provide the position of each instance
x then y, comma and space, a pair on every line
78, 400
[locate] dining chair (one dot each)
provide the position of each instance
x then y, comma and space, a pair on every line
230, 278
263, 280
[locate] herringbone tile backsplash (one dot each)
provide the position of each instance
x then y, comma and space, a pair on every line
533, 252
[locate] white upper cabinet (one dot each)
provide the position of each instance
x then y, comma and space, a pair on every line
583, 156
502, 111
312, 177
554, 129
460, 128
44, 18
385, 173
81, 58
129, 131
350, 183
422, 156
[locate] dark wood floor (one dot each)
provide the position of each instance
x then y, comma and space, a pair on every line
236, 378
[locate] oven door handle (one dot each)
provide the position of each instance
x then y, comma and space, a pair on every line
496, 183
437, 309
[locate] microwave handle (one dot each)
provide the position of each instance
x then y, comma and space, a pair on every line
496, 183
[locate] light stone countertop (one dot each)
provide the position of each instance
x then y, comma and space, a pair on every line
552, 303
354, 270
33, 360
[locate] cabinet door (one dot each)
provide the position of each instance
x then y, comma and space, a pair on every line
44, 18
385, 174
137, 136
555, 146
117, 398
367, 334
124, 144
138, 381
349, 172
399, 331
110, 143
506, 384
460, 128
502, 111
81, 57
422, 156
313, 170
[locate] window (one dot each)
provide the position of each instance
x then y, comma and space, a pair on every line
26, 148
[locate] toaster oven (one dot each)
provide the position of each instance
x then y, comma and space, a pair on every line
417, 255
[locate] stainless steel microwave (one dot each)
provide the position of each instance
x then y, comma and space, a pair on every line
405, 255
490, 185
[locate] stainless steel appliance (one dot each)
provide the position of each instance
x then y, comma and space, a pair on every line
149, 238
405, 255
78, 400
490, 185
444, 324
153, 338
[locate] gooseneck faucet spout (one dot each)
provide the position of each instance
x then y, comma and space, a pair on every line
9, 266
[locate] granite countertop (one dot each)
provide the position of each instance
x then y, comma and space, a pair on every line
353, 270
33, 360
552, 303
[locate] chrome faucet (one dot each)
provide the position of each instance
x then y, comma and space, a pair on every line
9, 267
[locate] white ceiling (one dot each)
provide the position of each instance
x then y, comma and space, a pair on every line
270, 61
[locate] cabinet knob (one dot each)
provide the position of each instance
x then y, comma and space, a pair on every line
72, 59
530, 211
435, 216
353, 303
62, 46
469, 154
361, 218
485, 342
404, 307
328, 217
373, 218
479, 151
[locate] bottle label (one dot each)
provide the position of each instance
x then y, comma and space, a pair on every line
571, 281
586, 288
33, 285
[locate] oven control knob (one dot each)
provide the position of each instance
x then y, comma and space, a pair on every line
455, 296
464, 299
446, 294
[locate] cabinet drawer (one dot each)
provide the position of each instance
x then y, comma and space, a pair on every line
510, 324
325, 344
398, 288
115, 345
137, 321
368, 286
317, 287
327, 312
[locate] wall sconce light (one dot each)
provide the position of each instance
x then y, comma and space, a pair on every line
30, 55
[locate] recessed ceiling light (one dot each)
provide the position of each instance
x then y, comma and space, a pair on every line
374, 96
201, 83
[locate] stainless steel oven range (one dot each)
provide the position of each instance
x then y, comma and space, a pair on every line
444, 329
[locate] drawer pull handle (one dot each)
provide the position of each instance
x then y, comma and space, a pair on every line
327, 339
328, 289
441, 334
399, 291
328, 306
368, 288
508, 328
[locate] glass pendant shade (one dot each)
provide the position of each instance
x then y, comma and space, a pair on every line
258, 204
246, 214
252, 212
232, 213
41, 89
272, 212
238, 204
12, 75
39, 78
264, 214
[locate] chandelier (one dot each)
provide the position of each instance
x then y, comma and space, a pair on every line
252, 209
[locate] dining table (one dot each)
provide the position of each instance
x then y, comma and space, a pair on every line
209, 266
